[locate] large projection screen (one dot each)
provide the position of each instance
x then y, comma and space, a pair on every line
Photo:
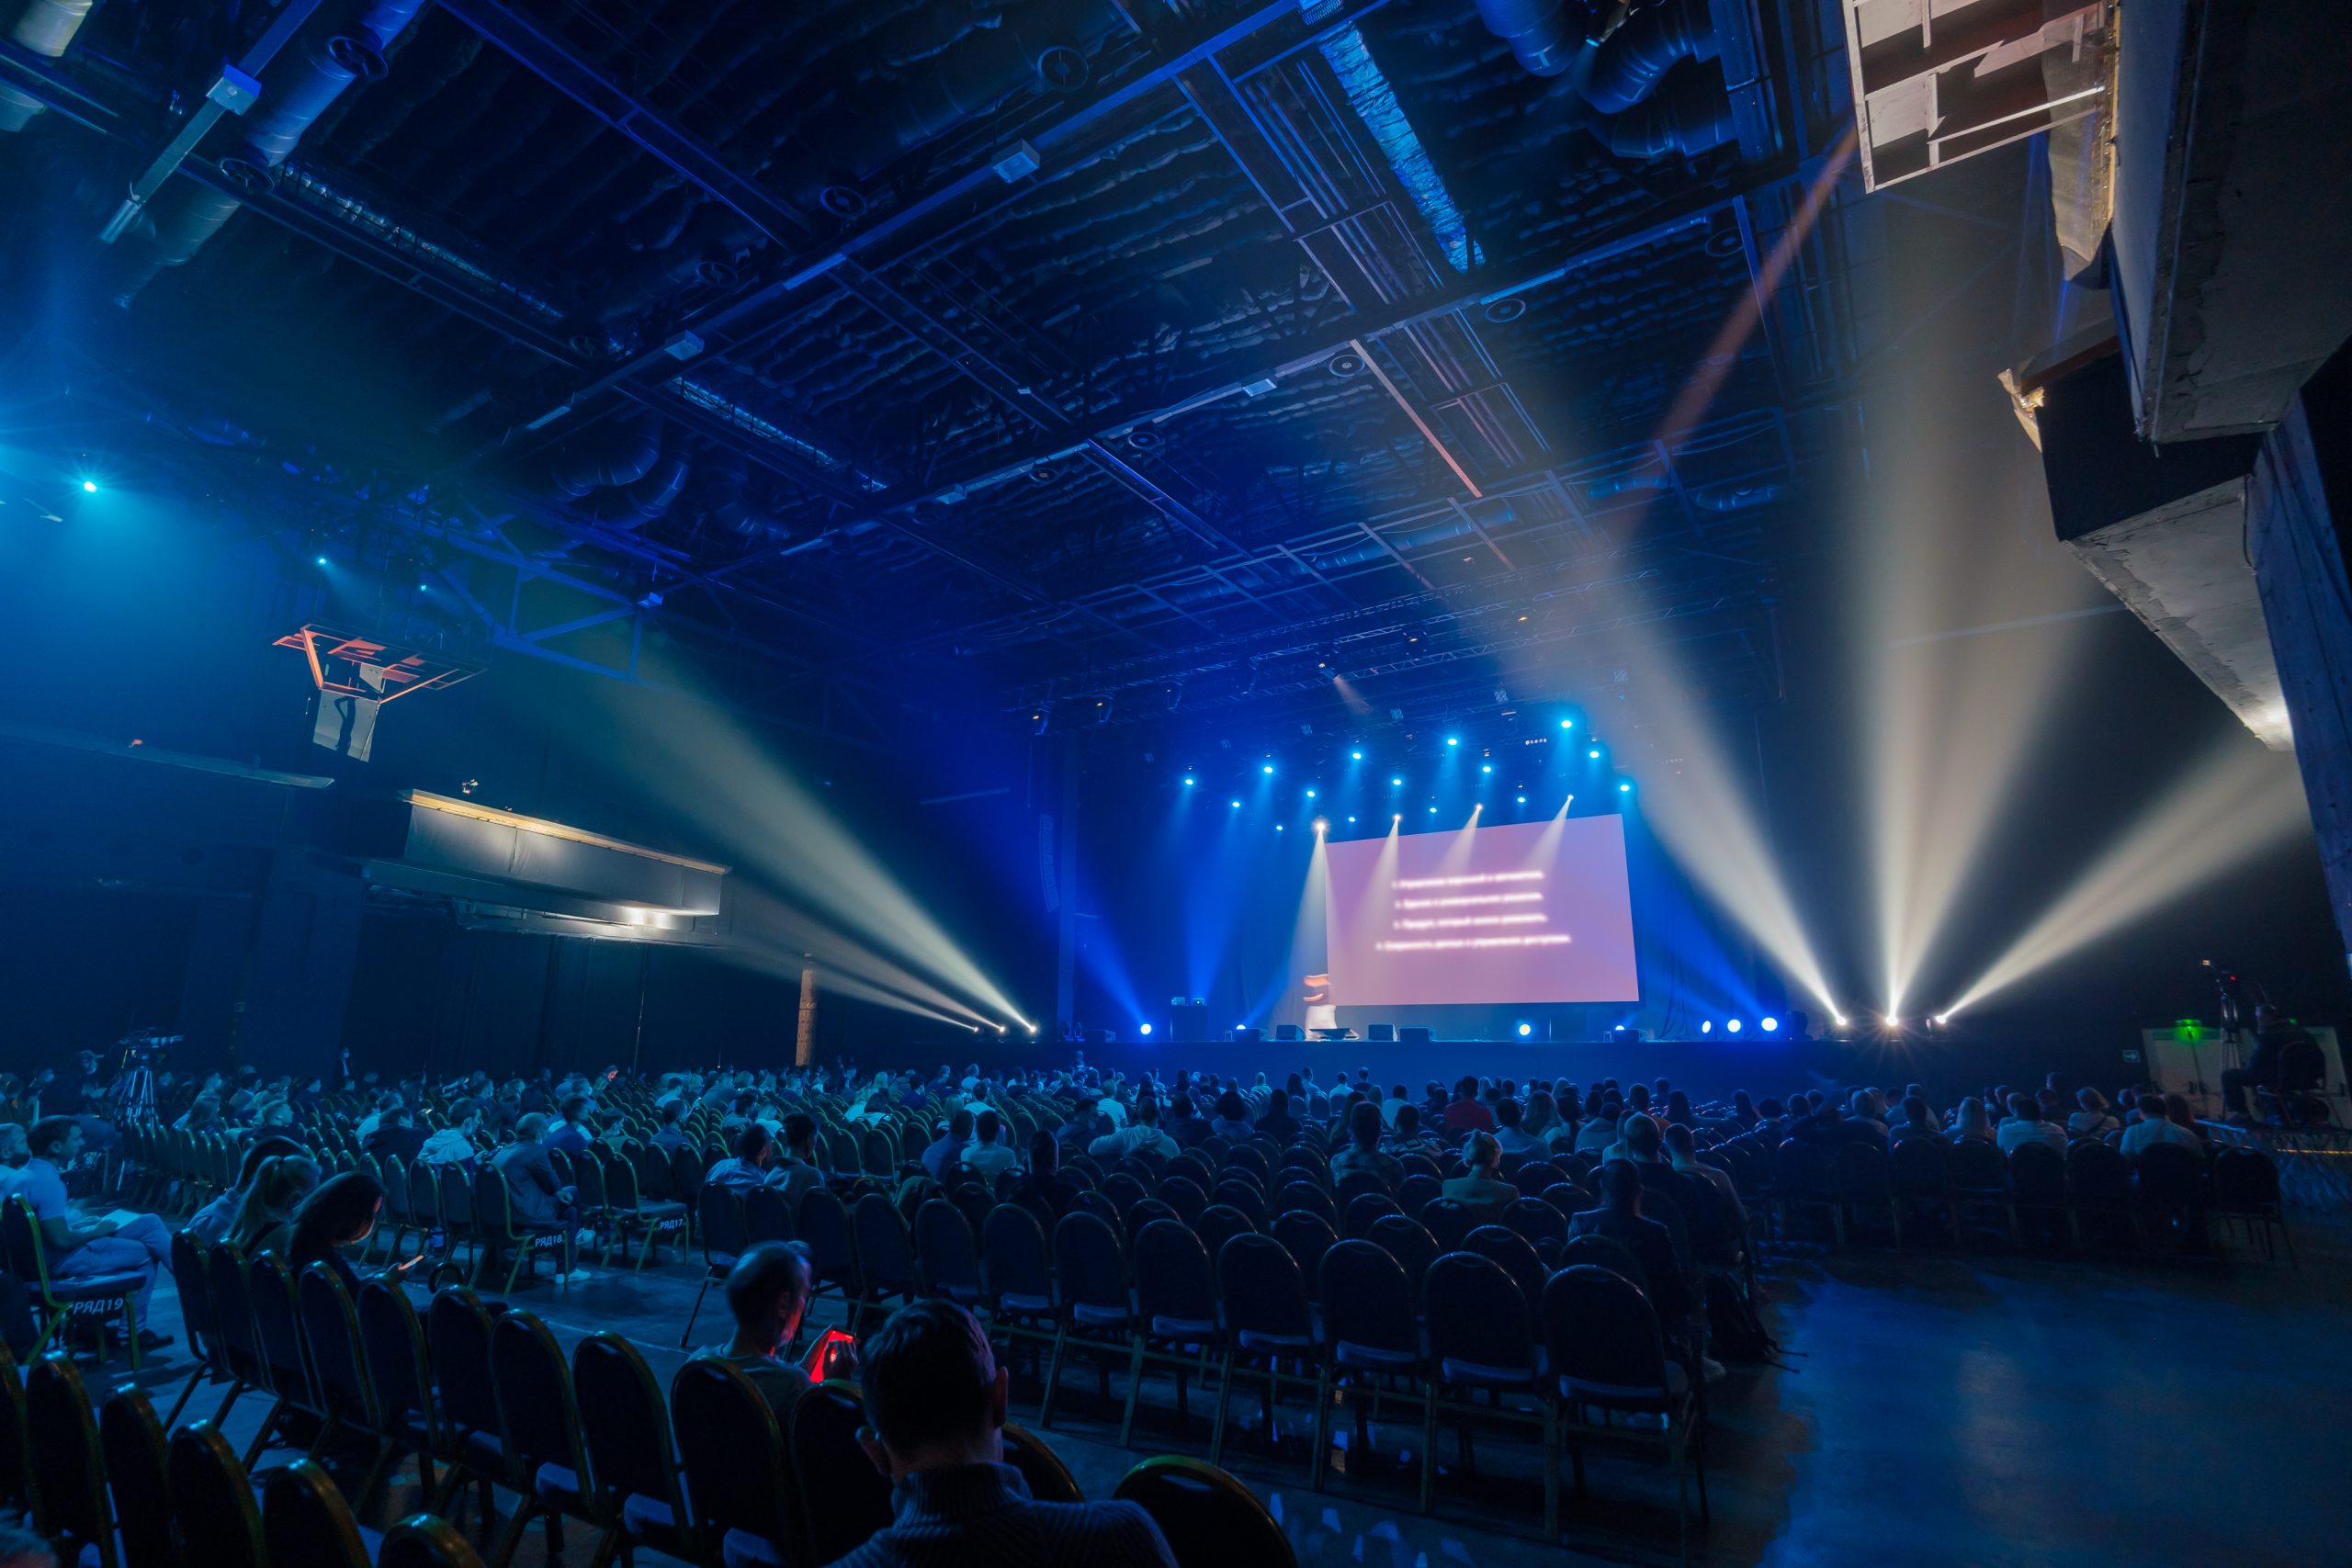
1524, 913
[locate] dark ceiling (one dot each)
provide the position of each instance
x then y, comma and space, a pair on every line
1124, 355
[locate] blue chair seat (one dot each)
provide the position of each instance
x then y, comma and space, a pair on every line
1285, 1344
966, 1295
741, 1549
483, 1452
1100, 1316
659, 1208
558, 1486
1624, 1396
92, 1287
1183, 1327
1014, 1302
652, 1520
1478, 1374
721, 1261
1373, 1359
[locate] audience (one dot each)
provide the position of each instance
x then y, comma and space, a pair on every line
947, 1148
1482, 1189
213, 1221
2024, 1124
749, 1167
1619, 1219
2156, 1126
986, 1157
278, 1191
142, 1246
1363, 1152
342, 1213
935, 1403
767, 1293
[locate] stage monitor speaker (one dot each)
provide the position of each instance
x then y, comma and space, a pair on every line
1414, 1035
1380, 1032
1288, 1032
1188, 1022
1250, 1034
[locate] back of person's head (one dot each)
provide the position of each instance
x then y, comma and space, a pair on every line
530, 1127
2091, 1099
1465, 1087
1363, 1124
341, 1211
1147, 1111
279, 1186
1408, 1120
2176, 1111
1507, 1112
49, 1136
257, 1151
574, 1107
1229, 1107
930, 1382
672, 1111
1181, 1107
1740, 1103
1481, 1152
1045, 1153
2023, 1108
1640, 1134
1620, 1184
959, 1126
1972, 1111
1916, 1111
768, 1289
1277, 1102
751, 1143
1771, 1108
1681, 1143
987, 1125
1639, 1096
1540, 1110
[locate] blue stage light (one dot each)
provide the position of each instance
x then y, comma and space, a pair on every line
1235, 804
1706, 1026
1433, 810
1278, 827
89, 487
1396, 783
1357, 755
1625, 786
1267, 769
1486, 767
1189, 781
1594, 753
1350, 819
1525, 1028
1143, 1028
323, 561
1310, 795
1733, 1027
1770, 1025
1453, 740
1568, 724
1523, 800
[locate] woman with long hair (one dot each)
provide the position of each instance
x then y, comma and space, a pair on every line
216, 1219
279, 1188
341, 1214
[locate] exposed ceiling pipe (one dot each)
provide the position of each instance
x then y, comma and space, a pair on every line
1628, 64
1689, 115
45, 28
615, 452
297, 87
1543, 35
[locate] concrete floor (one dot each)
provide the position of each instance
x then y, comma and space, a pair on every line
1933, 1409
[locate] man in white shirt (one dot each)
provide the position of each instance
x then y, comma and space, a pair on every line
986, 1157
2155, 1127
2024, 1125
1144, 1135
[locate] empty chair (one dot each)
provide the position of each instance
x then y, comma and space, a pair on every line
1244, 1197
1919, 1167
746, 1504
626, 1426
15, 1454
2100, 1179
69, 1469
1420, 1190
1219, 1220
2245, 1189
1362, 1210
885, 1262
1404, 1239
720, 1209
1307, 1236
1210, 1519
1864, 1186
191, 1281
1975, 1174
2038, 1188
1310, 1197
1569, 1198
277, 1329
1047, 1478
824, 1225
1482, 1341
214, 1498
975, 1202
632, 1208
1093, 1311
400, 1367
1142, 1214
1805, 1181
828, 1464
1372, 1335
948, 1256
2168, 1187
1609, 1358
1020, 1279
546, 1461
1542, 1226
1602, 1252
139, 1477
1358, 1184
1176, 1322
1516, 1255
339, 1366
304, 1519
766, 1216
1183, 1194
426, 1540
1125, 1191
1535, 1175
1448, 1221
458, 1330
1266, 1322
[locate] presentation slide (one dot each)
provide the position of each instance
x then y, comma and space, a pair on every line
1523, 913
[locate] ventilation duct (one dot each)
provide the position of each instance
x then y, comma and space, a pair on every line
1689, 115
725, 487
1543, 35
615, 452
45, 29
1628, 64
297, 87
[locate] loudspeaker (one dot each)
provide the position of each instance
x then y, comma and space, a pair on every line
1380, 1032
1250, 1034
1414, 1035
1288, 1032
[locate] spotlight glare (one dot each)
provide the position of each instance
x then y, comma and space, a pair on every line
1525, 1028
1453, 740
1594, 753
1310, 795
1523, 800
1486, 767
1706, 1026
1267, 769
1350, 819
89, 487
323, 561
1144, 1030
1396, 783
1769, 1024
1235, 804
1568, 724
1323, 824
1189, 781
1625, 786
1730, 1026
1357, 755
1433, 810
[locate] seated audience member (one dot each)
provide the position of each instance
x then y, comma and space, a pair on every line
1511, 1133
1231, 1122
1410, 1137
1277, 1122
1465, 1112
1186, 1125
2177, 1113
1918, 1121
2154, 1126
1482, 1189
99, 1246
1832, 1128
767, 1293
2092, 1117
396, 1133
1395, 1102
748, 1166
540, 1201
795, 1169
454, 1144
1868, 1103
279, 1187
1041, 1189
989, 1157
935, 1411
1682, 1149
342, 1213
1599, 1132
1678, 1108
572, 1134
203, 1115
211, 1223
671, 1137
1143, 1138
1619, 1219
386, 1100
1971, 1123
1362, 1152
2024, 1125
945, 1151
